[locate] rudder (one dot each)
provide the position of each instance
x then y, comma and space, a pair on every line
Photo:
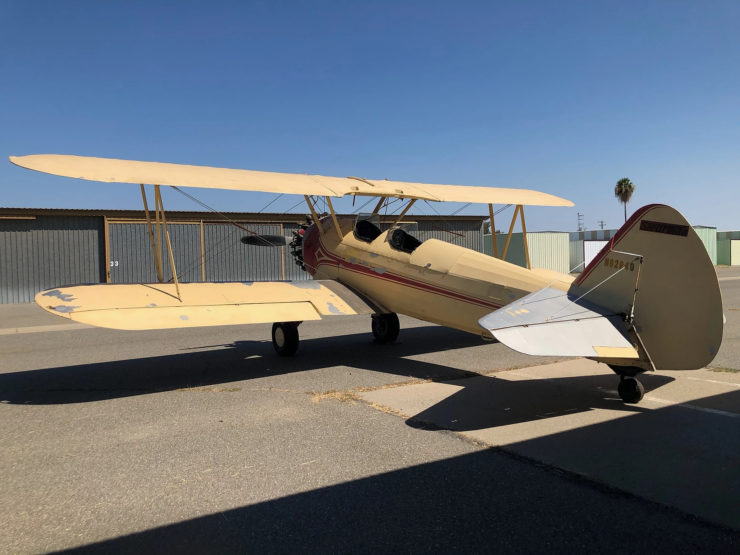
657, 272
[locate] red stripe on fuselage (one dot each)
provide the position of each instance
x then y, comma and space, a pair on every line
336, 261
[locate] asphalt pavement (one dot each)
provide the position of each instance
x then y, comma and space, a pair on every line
204, 440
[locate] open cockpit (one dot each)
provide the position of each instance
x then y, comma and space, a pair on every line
367, 229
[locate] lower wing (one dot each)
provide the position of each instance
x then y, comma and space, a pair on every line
159, 306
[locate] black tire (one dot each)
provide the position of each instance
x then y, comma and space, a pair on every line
285, 338
631, 390
385, 327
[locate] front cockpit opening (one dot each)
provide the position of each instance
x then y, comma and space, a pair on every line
367, 227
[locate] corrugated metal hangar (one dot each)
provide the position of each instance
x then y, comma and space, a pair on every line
572, 251
43, 248
547, 249
728, 248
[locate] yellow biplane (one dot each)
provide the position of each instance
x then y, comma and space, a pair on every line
649, 300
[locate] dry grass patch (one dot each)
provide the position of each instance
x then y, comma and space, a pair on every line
341, 396
211, 389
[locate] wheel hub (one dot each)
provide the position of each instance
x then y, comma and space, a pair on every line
280, 337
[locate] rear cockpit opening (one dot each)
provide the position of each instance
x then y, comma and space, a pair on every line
401, 240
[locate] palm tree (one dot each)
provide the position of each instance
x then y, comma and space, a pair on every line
623, 191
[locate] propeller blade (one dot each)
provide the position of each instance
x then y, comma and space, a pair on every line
264, 240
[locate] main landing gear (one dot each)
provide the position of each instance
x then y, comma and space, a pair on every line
285, 334
285, 338
385, 327
630, 389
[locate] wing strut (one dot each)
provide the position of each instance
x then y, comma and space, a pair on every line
156, 249
314, 215
158, 197
403, 213
379, 205
160, 222
334, 217
517, 211
493, 232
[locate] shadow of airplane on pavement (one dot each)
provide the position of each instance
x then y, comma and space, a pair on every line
484, 501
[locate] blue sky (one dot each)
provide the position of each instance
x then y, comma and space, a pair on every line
564, 97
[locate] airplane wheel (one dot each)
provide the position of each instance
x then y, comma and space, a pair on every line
385, 327
631, 390
285, 338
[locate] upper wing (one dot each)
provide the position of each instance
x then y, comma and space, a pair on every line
156, 173
156, 306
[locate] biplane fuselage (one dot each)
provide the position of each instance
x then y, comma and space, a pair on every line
436, 281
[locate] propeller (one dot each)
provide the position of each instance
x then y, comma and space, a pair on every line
264, 240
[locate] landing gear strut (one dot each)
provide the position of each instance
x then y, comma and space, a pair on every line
285, 338
385, 327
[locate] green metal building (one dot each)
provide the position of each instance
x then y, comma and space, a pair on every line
728, 248
547, 249
708, 236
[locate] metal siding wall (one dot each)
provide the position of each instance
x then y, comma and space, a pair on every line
515, 254
546, 249
487, 244
591, 249
468, 234
708, 236
549, 250
575, 252
723, 251
734, 252
47, 252
131, 259
59, 250
228, 259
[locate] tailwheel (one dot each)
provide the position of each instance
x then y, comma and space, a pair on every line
385, 327
630, 389
285, 338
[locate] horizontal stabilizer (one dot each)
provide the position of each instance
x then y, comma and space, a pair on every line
549, 322
158, 306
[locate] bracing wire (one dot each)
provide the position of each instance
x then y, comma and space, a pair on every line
363, 205
227, 219
269, 203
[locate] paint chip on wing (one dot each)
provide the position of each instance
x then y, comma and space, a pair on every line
333, 309
379, 270
66, 297
308, 284
65, 309
184, 317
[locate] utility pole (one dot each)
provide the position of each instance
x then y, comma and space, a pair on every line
580, 222
601, 224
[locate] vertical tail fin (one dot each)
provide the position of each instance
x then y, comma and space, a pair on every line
657, 270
